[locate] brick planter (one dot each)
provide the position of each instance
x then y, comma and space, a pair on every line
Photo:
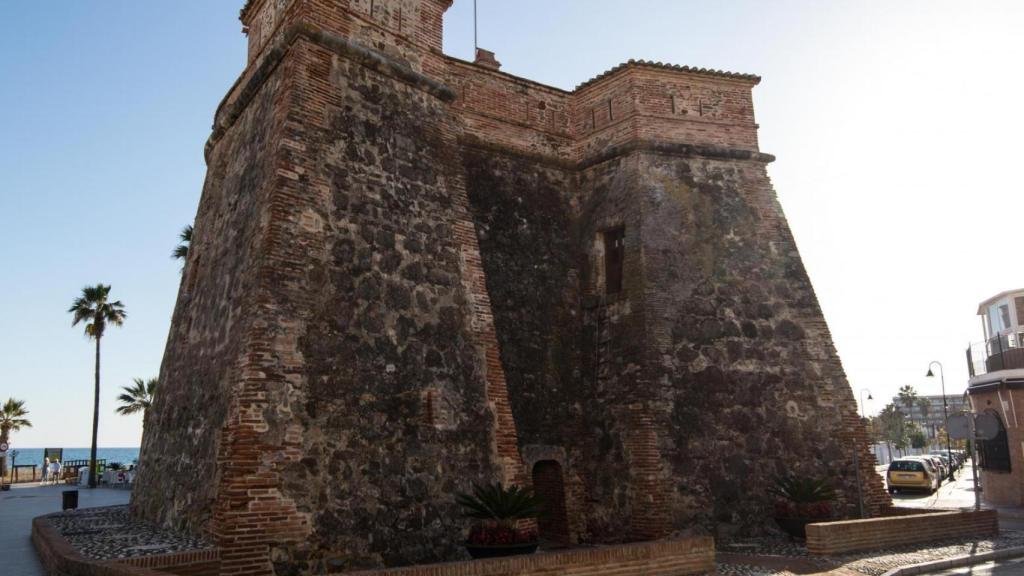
830, 538
660, 558
60, 559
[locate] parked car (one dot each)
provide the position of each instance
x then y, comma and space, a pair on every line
953, 464
940, 467
912, 473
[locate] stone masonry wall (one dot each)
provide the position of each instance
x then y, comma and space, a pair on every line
369, 352
737, 346
386, 233
393, 403
178, 484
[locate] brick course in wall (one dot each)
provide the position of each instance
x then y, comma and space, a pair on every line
396, 289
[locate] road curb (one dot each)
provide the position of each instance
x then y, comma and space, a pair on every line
957, 562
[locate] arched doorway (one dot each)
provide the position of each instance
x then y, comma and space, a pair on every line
994, 454
548, 483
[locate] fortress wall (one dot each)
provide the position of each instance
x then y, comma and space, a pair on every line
212, 319
375, 250
624, 471
396, 402
739, 348
526, 216
368, 387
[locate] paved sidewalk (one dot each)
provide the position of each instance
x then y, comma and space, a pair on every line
1014, 567
23, 503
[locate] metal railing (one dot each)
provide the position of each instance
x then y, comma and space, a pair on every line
998, 353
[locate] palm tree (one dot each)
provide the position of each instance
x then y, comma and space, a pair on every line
137, 398
12, 419
181, 250
908, 397
924, 405
94, 308
891, 420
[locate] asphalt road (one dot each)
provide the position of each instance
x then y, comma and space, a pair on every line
960, 494
957, 494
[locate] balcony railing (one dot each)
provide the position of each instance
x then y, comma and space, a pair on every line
999, 353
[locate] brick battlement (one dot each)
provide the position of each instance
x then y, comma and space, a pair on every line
636, 100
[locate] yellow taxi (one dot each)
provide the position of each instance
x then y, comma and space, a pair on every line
912, 473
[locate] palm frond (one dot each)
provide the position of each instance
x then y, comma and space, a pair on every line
802, 490
136, 398
93, 308
496, 502
12, 416
180, 251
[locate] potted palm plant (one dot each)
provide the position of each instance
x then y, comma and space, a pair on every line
500, 513
801, 501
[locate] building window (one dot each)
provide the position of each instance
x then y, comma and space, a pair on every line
995, 453
614, 254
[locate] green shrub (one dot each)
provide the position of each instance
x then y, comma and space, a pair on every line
498, 503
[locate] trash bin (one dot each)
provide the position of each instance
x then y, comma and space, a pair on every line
70, 501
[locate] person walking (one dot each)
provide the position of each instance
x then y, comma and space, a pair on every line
55, 471
46, 468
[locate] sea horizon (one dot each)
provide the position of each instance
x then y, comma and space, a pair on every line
121, 454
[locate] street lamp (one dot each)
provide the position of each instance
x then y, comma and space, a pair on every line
945, 412
862, 391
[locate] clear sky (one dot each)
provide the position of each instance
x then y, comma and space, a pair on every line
896, 125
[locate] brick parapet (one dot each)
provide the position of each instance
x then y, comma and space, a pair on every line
671, 557
411, 29
631, 103
831, 538
634, 104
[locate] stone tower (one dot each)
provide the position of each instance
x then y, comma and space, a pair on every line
411, 272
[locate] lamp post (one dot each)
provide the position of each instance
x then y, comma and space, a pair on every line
862, 391
863, 414
856, 458
945, 412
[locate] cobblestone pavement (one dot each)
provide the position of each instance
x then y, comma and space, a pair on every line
109, 533
748, 570
872, 563
23, 503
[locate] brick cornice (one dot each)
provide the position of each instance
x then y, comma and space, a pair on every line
656, 146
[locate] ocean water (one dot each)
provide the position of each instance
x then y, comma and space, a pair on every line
35, 455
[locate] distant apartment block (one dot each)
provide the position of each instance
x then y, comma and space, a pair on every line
931, 419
